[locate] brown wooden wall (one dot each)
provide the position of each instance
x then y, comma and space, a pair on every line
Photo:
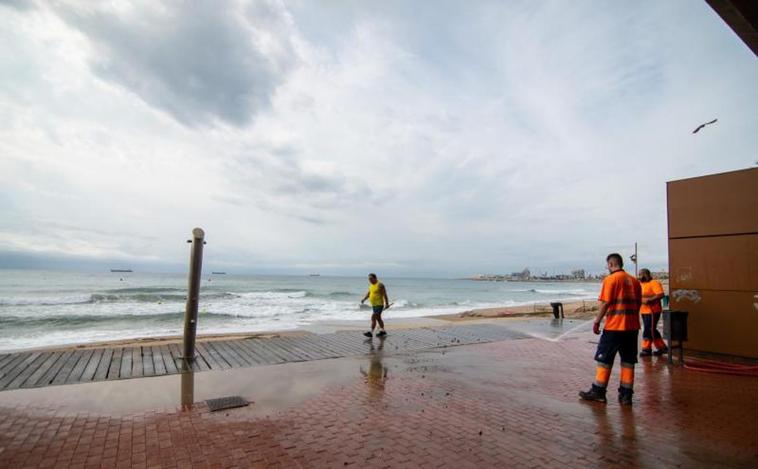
713, 259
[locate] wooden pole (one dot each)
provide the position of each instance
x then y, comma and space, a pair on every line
193, 293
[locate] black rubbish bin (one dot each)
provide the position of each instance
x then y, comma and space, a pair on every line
557, 310
675, 330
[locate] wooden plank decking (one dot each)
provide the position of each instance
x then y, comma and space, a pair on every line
46, 368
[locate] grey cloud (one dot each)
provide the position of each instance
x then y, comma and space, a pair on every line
18, 4
200, 61
272, 179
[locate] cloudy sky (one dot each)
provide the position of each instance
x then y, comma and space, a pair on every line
410, 138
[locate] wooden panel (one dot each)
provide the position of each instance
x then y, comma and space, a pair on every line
160, 367
715, 263
68, 367
37, 375
105, 362
126, 363
168, 360
147, 361
282, 350
76, 374
52, 372
243, 352
271, 354
11, 374
12, 364
251, 351
719, 321
319, 345
115, 368
296, 346
94, 362
217, 357
207, 357
19, 380
137, 369
231, 355
714, 205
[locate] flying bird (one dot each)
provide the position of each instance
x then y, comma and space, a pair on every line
703, 125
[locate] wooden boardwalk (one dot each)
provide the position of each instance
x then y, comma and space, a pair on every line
47, 368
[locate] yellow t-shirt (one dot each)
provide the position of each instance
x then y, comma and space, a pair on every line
375, 294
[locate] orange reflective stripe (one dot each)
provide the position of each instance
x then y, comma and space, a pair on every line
646, 344
623, 300
602, 375
622, 311
627, 376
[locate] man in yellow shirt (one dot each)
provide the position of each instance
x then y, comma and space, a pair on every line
377, 297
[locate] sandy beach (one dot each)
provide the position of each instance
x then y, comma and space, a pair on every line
573, 310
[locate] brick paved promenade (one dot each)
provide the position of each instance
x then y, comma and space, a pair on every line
503, 404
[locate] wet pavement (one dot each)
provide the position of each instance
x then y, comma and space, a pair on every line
502, 404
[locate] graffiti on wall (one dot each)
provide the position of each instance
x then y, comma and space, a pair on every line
686, 295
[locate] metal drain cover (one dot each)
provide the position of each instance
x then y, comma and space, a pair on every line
229, 402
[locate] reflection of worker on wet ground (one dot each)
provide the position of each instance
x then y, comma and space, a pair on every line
652, 293
377, 372
620, 299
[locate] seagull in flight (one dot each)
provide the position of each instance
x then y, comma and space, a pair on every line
703, 125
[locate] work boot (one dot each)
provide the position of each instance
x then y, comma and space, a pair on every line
595, 393
625, 397
662, 351
646, 352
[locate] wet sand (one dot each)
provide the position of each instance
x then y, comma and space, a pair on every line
585, 309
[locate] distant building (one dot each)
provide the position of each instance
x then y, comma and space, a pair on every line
578, 274
523, 275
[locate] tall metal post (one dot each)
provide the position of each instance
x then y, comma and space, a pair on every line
193, 293
636, 261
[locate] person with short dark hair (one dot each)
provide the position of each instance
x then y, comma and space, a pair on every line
652, 293
620, 300
377, 296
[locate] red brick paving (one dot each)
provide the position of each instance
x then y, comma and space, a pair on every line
507, 404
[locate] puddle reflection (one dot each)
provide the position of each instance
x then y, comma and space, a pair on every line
376, 375
187, 397
617, 444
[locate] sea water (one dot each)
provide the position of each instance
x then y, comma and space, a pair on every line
41, 308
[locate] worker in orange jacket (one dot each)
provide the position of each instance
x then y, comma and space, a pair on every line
620, 300
652, 293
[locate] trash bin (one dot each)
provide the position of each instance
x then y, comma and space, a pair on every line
675, 325
675, 330
557, 310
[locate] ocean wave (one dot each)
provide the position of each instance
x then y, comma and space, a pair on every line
138, 290
576, 291
341, 294
273, 294
95, 320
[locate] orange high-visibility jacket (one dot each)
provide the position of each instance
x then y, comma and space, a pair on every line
623, 294
649, 290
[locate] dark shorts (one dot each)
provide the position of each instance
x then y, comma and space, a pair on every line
377, 309
622, 342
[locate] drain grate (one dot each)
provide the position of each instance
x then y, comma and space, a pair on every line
226, 403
